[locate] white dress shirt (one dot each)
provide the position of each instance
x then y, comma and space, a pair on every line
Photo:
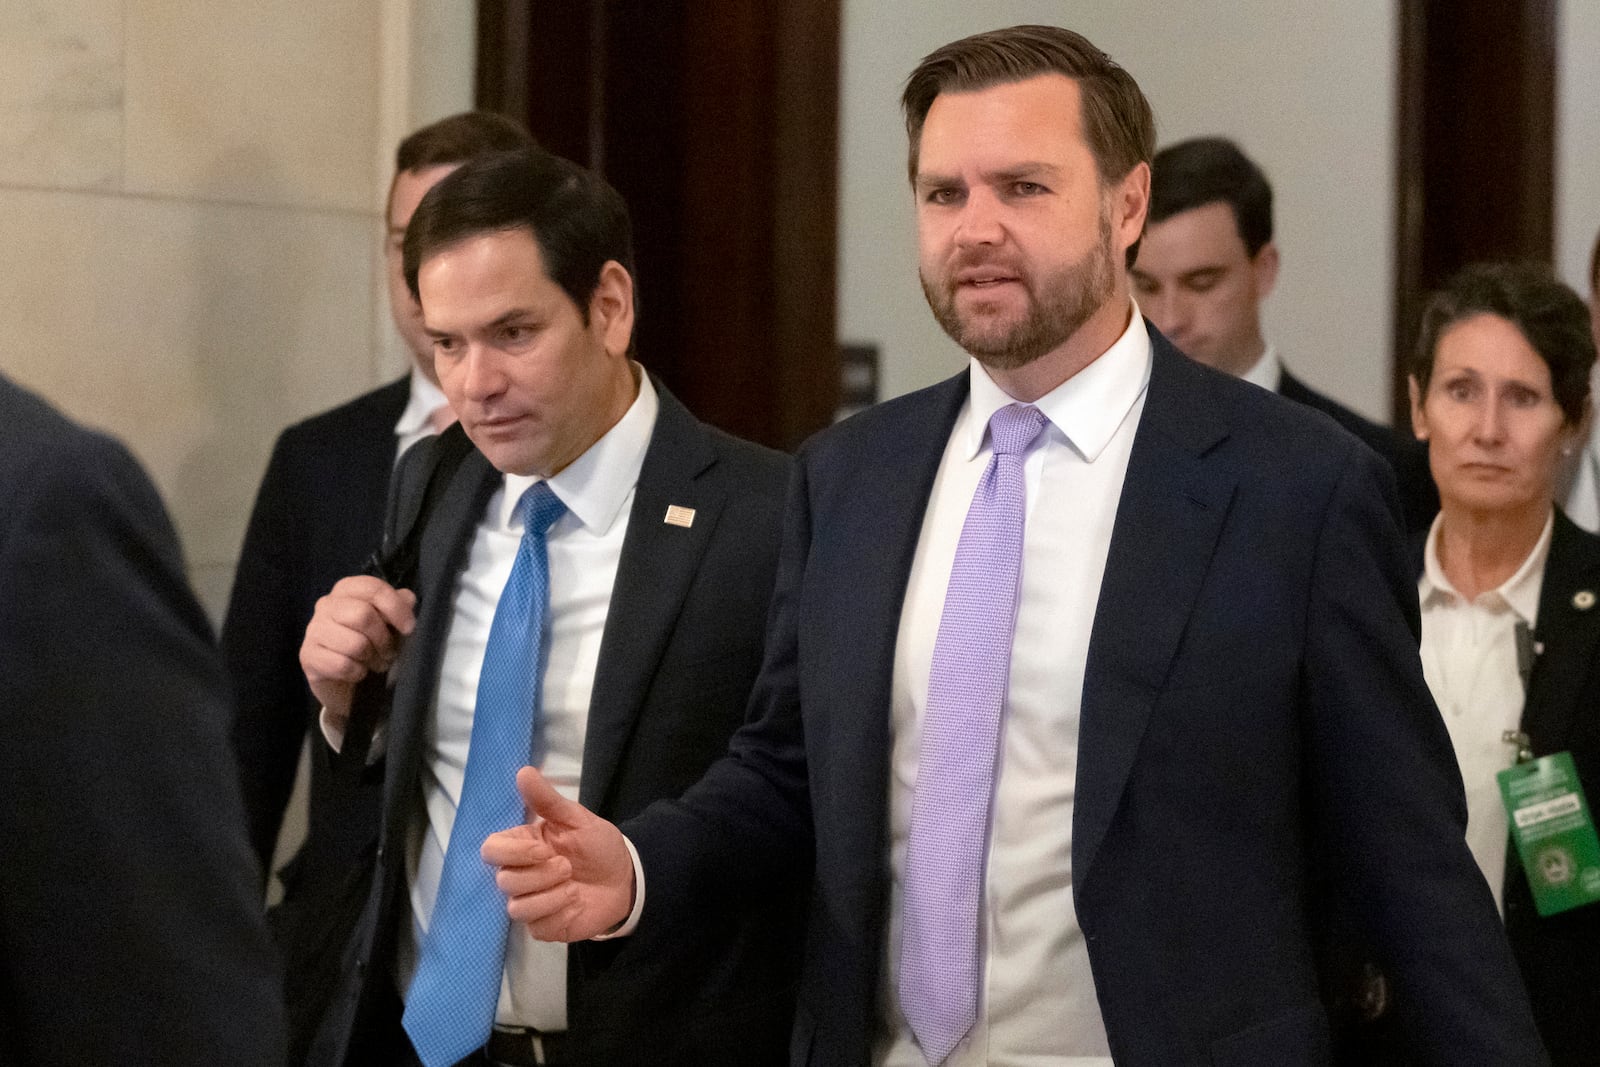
585, 546
413, 424
1267, 371
1469, 657
1038, 1005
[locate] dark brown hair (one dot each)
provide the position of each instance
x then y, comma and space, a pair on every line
1212, 170
578, 221
455, 140
1117, 120
1552, 318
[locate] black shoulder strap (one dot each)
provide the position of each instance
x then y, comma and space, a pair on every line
396, 563
396, 559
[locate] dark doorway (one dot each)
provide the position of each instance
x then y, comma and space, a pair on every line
717, 122
1477, 148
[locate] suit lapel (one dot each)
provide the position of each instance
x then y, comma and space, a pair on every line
889, 482
1570, 636
658, 564
1171, 511
445, 542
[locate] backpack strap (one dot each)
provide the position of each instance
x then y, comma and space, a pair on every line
396, 562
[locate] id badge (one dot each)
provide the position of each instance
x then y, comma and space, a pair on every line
1553, 831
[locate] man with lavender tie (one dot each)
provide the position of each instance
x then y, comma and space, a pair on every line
1082, 664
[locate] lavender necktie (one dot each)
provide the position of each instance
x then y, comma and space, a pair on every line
939, 959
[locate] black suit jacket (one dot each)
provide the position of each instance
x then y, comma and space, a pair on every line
682, 644
1419, 499
130, 919
1560, 955
1252, 701
317, 517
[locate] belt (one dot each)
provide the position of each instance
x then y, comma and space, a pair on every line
521, 1046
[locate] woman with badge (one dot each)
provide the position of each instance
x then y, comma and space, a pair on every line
1510, 625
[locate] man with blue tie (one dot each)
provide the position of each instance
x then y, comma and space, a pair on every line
1078, 661
592, 586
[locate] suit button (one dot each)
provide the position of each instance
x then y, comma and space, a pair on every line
361, 967
380, 852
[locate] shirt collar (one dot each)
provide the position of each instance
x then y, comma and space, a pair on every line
1520, 591
1087, 408
424, 401
1268, 370
596, 484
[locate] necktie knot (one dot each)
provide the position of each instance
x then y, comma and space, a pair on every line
1014, 427
540, 509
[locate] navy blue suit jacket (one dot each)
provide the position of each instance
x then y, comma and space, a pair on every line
1253, 706
130, 913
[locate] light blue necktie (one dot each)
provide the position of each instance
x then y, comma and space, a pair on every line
451, 1003
949, 836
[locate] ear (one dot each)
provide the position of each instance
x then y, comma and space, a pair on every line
1419, 420
1130, 203
1264, 267
611, 308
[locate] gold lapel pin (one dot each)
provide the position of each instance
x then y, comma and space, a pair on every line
1583, 599
678, 515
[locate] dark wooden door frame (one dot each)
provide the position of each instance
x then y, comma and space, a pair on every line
717, 120
1476, 144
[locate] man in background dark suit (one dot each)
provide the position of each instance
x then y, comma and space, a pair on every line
1059, 799
1207, 262
660, 568
317, 518
130, 917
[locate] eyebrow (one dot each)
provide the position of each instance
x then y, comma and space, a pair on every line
505, 319
1018, 172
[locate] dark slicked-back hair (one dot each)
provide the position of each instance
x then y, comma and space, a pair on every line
457, 139
1212, 170
578, 221
1117, 120
1553, 319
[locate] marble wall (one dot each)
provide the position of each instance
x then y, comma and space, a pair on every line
191, 199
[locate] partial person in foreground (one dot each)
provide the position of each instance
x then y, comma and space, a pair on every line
1079, 661
1508, 586
130, 914
592, 589
1207, 263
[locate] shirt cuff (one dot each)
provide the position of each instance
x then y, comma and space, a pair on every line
632, 921
332, 728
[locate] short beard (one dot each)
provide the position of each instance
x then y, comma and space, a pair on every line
1069, 298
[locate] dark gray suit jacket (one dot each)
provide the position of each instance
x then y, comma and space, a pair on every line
317, 517
130, 915
682, 645
1253, 703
